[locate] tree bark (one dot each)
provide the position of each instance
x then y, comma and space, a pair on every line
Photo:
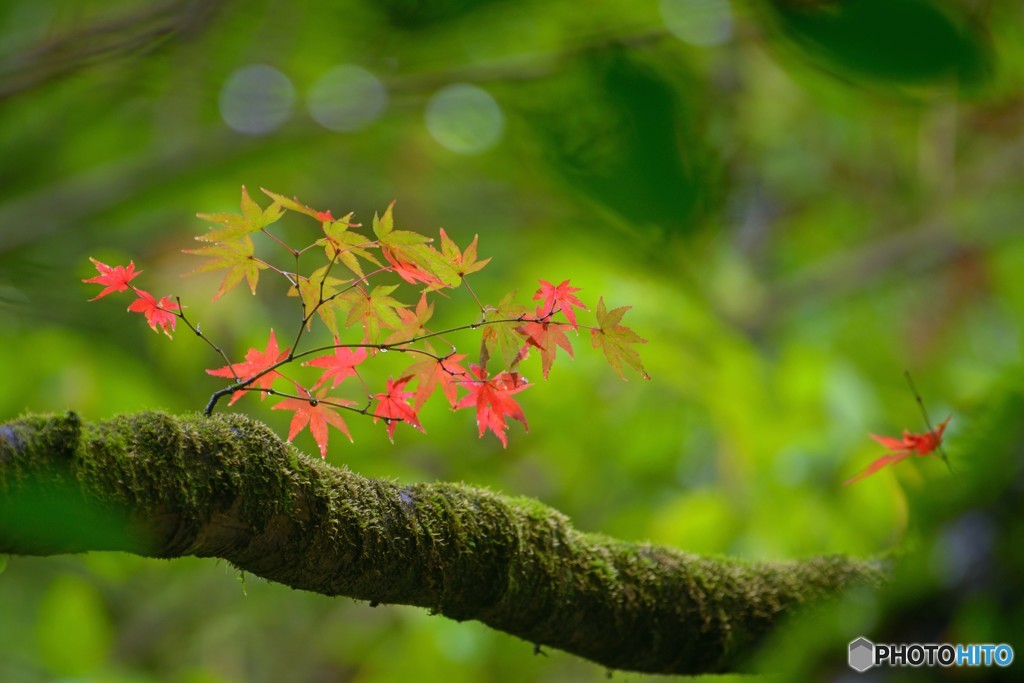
227, 487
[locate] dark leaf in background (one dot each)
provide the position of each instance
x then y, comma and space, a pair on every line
625, 136
414, 14
898, 42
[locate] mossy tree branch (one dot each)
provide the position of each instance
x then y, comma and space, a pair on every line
227, 487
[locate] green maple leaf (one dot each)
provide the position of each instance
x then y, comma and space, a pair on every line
501, 336
462, 262
237, 257
295, 205
413, 248
317, 291
413, 322
615, 340
375, 310
251, 219
344, 245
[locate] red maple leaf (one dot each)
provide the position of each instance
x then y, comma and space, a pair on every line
317, 412
919, 445
546, 336
411, 272
116, 279
325, 216
393, 406
255, 362
431, 374
560, 298
158, 313
493, 400
338, 365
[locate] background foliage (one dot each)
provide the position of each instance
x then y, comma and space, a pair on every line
800, 198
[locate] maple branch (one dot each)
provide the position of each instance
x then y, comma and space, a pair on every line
287, 247
393, 346
227, 487
356, 284
241, 384
365, 410
195, 329
283, 273
927, 421
306, 316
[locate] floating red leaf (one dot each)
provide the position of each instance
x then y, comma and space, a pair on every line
918, 445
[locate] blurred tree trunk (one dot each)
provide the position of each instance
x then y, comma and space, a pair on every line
227, 487
125, 36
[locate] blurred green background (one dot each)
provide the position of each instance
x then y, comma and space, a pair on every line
799, 198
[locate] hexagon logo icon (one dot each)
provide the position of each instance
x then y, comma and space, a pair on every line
862, 654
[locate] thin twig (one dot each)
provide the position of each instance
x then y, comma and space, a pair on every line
927, 421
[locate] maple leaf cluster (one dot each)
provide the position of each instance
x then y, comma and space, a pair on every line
365, 318
160, 314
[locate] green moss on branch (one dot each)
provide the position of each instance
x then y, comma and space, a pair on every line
227, 487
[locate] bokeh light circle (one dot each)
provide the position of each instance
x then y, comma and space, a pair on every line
256, 99
464, 119
347, 98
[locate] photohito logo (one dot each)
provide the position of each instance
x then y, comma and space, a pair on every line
864, 654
